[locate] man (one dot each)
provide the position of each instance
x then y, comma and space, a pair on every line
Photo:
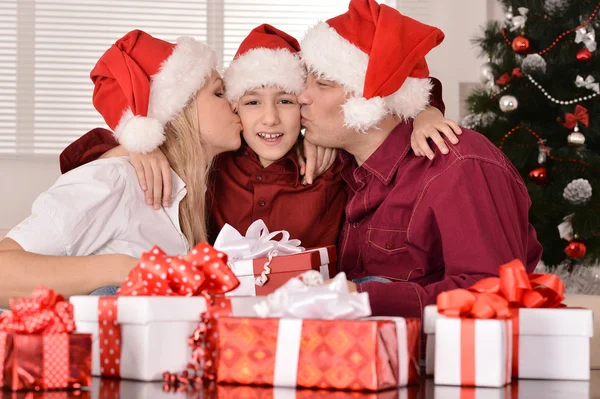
414, 227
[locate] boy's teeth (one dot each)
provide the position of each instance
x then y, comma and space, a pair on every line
270, 136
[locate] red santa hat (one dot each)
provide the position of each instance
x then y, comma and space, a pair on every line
142, 82
267, 57
378, 55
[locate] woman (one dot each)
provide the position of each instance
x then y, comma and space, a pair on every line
262, 180
151, 93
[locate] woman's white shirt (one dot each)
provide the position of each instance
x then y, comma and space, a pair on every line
97, 209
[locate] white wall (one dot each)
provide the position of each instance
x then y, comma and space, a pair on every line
454, 62
21, 180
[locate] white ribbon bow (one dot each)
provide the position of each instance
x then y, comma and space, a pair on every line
588, 83
587, 36
295, 299
257, 243
518, 22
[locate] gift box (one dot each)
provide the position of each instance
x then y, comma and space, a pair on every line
247, 392
145, 330
282, 269
472, 352
326, 354
45, 361
430, 316
262, 264
549, 341
38, 349
552, 343
154, 332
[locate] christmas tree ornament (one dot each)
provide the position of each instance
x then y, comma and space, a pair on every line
576, 249
584, 55
589, 83
475, 121
533, 63
565, 229
508, 103
508, 15
580, 115
542, 156
539, 176
576, 137
492, 88
517, 22
578, 192
486, 73
506, 78
587, 36
520, 44
553, 7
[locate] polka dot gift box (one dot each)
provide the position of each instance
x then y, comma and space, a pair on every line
38, 349
144, 330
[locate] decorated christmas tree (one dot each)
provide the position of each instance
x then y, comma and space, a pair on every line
540, 104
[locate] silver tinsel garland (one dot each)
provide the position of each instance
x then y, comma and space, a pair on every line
582, 279
474, 121
553, 7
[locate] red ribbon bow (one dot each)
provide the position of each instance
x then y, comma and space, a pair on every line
580, 115
204, 269
45, 312
506, 78
468, 304
523, 290
501, 297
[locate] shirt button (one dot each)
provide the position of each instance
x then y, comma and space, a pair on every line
355, 225
262, 203
259, 178
389, 245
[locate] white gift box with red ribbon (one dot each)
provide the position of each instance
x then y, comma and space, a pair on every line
154, 332
552, 343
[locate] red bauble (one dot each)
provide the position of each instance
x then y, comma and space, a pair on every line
576, 249
539, 176
584, 55
520, 44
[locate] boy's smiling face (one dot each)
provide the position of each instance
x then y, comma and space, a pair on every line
271, 122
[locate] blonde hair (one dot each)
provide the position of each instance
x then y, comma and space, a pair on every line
187, 153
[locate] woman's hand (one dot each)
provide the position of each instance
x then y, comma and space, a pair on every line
429, 124
314, 160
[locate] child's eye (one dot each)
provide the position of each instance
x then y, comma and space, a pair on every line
287, 102
219, 94
253, 102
